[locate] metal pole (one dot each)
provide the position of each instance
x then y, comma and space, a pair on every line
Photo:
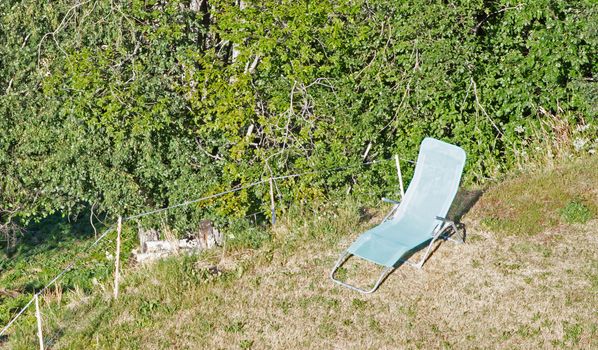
400, 175
38, 315
117, 263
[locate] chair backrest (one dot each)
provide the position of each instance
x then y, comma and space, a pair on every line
434, 185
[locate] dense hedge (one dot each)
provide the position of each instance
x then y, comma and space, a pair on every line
128, 105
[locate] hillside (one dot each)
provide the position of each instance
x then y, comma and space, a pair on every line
527, 277
282, 124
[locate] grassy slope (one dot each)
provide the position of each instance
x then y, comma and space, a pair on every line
40, 255
527, 278
46, 249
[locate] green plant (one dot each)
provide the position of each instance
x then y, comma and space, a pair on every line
246, 344
235, 327
49, 247
573, 332
132, 105
241, 234
576, 212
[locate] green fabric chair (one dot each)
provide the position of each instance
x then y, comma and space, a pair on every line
419, 219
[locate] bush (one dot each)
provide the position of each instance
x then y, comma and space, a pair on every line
141, 104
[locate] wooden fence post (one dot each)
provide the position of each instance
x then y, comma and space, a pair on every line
400, 175
38, 315
117, 263
272, 207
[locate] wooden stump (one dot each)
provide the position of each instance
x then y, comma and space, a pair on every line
206, 237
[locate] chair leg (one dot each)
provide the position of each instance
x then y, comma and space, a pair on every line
454, 228
343, 258
441, 234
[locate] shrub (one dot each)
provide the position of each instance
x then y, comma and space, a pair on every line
140, 104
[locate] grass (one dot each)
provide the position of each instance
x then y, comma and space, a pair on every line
47, 248
576, 212
531, 203
507, 287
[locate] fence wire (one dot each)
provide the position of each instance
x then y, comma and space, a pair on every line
72, 264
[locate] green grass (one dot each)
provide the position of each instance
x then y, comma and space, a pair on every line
530, 203
576, 212
510, 287
44, 250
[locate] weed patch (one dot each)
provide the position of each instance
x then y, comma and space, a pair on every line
576, 212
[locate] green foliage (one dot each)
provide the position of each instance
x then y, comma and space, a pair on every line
141, 104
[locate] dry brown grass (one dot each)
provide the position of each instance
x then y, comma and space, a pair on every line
489, 293
537, 291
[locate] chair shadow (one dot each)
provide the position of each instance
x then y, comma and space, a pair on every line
463, 202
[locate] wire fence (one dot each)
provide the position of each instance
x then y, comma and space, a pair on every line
79, 256
56, 278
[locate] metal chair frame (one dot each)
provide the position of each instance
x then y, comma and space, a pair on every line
440, 231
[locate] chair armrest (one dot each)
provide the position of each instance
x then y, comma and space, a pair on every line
387, 200
445, 220
394, 207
